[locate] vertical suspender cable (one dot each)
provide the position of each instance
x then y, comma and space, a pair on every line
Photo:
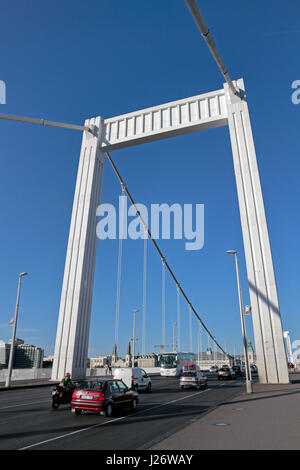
191, 329
119, 270
200, 340
214, 353
144, 295
178, 319
163, 304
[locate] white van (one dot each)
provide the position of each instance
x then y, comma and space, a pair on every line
133, 377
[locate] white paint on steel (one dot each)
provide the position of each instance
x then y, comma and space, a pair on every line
167, 120
72, 337
179, 117
268, 334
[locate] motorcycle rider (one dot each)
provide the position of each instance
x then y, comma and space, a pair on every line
67, 383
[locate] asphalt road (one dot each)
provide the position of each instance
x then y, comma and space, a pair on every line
27, 420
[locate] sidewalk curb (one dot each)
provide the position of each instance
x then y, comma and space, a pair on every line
29, 385
43, 384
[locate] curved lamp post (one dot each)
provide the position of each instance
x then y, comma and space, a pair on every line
12, 347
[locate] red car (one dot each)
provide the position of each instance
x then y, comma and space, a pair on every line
103, 396
190, 367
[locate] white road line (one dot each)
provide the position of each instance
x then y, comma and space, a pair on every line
111, 421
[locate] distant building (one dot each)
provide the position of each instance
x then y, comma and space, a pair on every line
119, 363
18, 341
251, 353
209, 358
148, 360
48, 361
115, 354
26, 356
99, 361
128, 357
4, 354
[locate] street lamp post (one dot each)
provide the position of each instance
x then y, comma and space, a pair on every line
12, 347
133, 338
248, 374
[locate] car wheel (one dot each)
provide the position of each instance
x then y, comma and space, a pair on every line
108, 410
148, 389
78, 412
55, 403
133, 404
136, 387
181, 387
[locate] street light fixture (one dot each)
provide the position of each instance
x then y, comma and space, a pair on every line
12, 347
248, 373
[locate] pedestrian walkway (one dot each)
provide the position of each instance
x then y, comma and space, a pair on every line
18, 384
267, 419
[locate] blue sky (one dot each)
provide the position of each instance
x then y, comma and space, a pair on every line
71, 60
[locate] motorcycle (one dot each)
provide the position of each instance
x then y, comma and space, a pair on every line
61, 396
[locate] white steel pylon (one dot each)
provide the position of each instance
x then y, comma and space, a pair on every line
72, 337
217, 108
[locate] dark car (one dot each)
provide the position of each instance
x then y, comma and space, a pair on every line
238, 371
103, 396
226, 373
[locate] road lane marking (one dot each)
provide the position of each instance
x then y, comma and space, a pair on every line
173, 401
111, 421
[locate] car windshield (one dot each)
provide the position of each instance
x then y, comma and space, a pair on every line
94, 385
168, 361
225, 369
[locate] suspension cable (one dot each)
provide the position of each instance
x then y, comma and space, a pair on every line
163, 302
178, 319
144, 295
194, 9
190, 328
160, 252
119, 271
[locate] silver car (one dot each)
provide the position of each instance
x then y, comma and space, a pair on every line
193, 378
